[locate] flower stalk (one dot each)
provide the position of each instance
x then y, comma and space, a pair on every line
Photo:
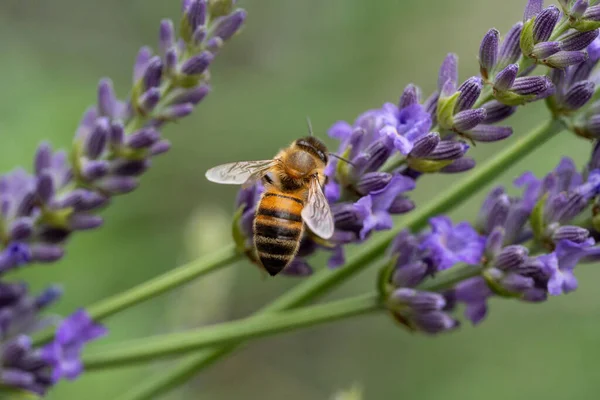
140, 351
155, 287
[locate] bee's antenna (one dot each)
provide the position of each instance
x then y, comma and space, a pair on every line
310, 129
342, 158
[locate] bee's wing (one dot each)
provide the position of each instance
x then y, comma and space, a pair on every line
316, 212
239, 172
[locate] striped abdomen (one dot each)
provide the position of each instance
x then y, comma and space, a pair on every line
278, 229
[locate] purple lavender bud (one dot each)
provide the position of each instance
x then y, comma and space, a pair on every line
15, 255
497, 214
430, 106
193, 96
493, 244
578, 95
448, 89
401, 205
199, 35
515, 283
579, 8
510, 50
69, 199
563, 59
26, 205
544, 23
573, 233
160, 147
80, 222
129, 167
118, 184
409, 275
14, 350
592, 127
117, 133
448, 71
531, 85
153, 73
176, 111
45, 187
197, 64
196, 13
434, 322
141, 63
48, 296
166, 35
578, 40
488, 51
488, 205
468, 119
373, 157
469, 93
91, 201
21, 229
496, 111
545, 49
373, 181
592, 13
533, 8
505, 78
410, 96
94, 169
448, 150
461, 165
425, 145
170, 61
149, 99
227, 26
96, 140
142, 138
511, 257
214, 44
489, 133
417, 300
107, 100
43, 157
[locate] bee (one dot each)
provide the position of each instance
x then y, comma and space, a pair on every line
293, 197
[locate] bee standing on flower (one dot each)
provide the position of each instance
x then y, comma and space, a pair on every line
293, 196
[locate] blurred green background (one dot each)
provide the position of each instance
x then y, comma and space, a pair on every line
329, 60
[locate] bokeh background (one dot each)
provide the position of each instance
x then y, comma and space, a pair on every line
329, 60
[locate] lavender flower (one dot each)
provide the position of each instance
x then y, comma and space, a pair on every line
494, 248
575, 85
64, 353
449, 244
37, 369
113, 146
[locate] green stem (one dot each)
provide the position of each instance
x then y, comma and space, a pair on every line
324, 280
154, 287
142, 350
561, 28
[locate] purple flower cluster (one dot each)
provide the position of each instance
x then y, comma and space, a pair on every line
494, 248
115, 141
114, 144
389, 148
34, 369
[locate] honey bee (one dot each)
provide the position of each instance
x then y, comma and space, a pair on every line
293, 197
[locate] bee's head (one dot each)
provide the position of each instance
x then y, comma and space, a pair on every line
313, 146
